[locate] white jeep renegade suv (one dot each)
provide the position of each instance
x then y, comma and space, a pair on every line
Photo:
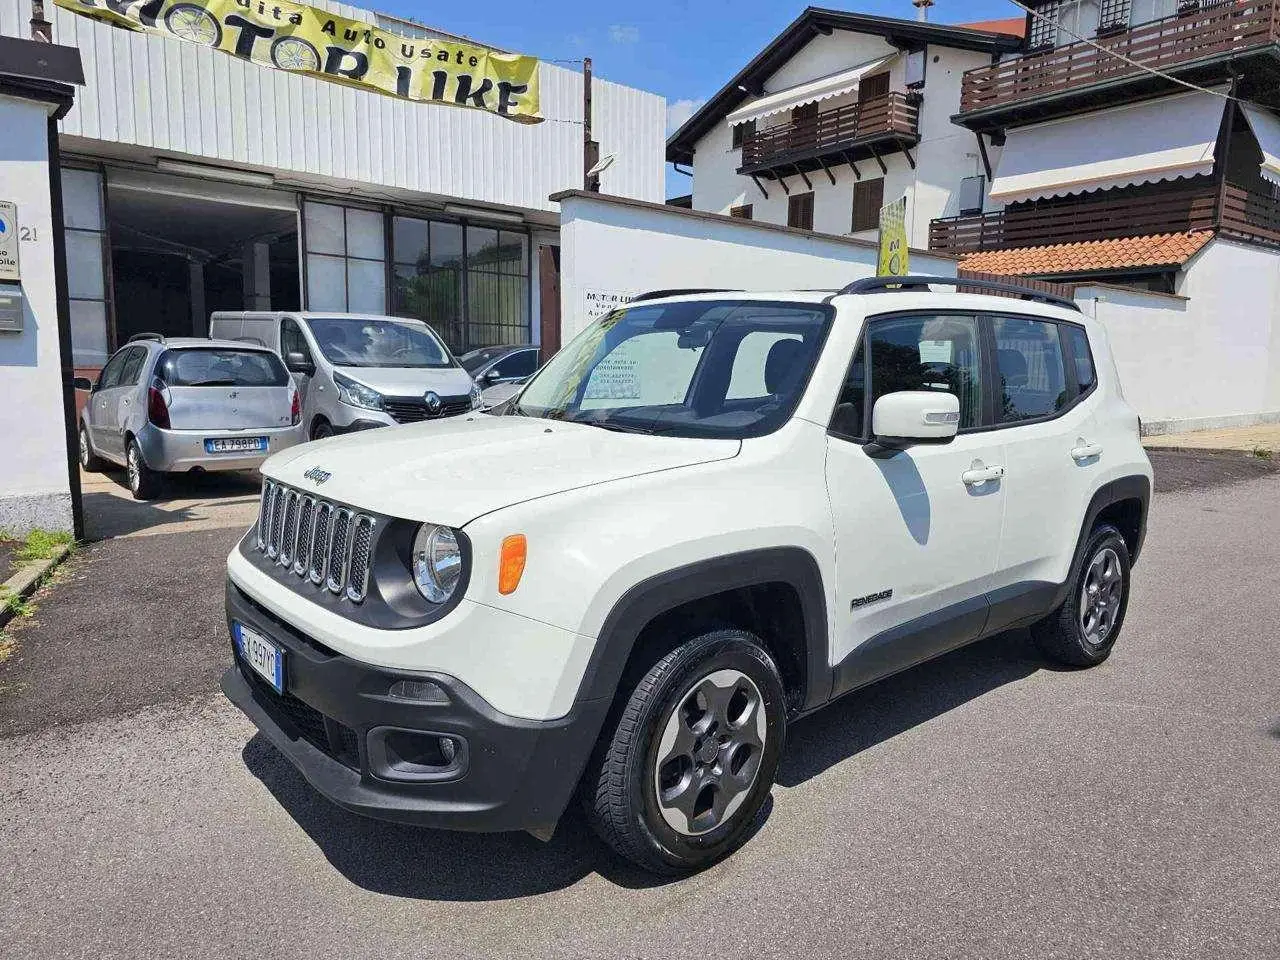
708, 515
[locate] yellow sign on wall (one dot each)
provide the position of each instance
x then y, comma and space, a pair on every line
895, 255
304, 39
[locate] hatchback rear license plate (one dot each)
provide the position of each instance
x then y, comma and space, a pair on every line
264, 656
235, 444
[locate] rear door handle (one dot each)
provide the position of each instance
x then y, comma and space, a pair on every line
977, 476
1084, 451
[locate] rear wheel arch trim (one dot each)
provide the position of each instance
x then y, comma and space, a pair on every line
664, 592
1135, 487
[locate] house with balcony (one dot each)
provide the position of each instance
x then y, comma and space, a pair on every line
839, 114
1122, 139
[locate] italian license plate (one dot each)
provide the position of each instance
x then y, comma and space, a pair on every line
235, 444
264, 656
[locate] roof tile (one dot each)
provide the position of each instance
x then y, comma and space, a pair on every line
1157, 250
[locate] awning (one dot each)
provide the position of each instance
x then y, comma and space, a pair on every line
1163, 139
824, 88
1266, 127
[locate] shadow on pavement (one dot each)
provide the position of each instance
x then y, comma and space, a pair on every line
416, 862
110, 510
440, 865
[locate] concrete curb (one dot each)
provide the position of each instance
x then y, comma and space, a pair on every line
1209, 451
28, 579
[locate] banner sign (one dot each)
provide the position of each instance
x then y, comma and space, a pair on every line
9, 269
894, 253
304, 39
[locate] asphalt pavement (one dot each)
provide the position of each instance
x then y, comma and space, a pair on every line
983, 805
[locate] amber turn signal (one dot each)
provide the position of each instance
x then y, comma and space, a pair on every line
511, 563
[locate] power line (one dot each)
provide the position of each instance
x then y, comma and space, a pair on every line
1053, 22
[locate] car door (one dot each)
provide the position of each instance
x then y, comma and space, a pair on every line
101, 408
294, 340
129, 403
917, 531
1044, 380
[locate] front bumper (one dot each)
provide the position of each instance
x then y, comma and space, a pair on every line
176, 451
512, 774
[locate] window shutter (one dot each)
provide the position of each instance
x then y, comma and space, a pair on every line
800, 211
872, 88
868, 198
741, 213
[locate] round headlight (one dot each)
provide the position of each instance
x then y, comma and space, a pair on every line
437, 562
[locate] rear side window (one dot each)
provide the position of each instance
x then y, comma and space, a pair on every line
1086, 375
132, 371
221, 367
1033, 381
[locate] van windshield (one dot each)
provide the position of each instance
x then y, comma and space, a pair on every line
378, 342
699, 368
221, 367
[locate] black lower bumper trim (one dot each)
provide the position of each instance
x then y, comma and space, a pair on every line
520, 774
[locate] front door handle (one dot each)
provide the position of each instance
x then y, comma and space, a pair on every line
1085, 451
977, 475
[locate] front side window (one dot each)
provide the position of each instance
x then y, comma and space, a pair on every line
516, 366
706, 368
293, 340
378, 342
1032, 375
934, 353
218, 367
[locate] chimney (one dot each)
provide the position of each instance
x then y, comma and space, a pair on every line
922, 9
41, 29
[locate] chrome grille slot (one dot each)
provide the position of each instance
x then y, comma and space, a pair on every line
320, 542
289, 541
361, 549
306, 543
339, 550
277, 521
264, 514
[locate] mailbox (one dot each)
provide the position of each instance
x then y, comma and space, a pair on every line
12, 303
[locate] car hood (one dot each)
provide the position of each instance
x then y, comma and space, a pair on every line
453, 471
412, 381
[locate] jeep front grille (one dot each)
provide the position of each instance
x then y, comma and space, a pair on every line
316, 540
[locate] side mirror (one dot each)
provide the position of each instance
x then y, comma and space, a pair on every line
915, 416
82, 383
491, 377
298, 363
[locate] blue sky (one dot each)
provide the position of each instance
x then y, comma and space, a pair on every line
684, 50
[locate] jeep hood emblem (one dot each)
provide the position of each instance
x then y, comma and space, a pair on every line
318, 475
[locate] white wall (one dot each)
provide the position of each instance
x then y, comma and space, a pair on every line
612, 249
167, 95
34, 487
946, 154
1208, 358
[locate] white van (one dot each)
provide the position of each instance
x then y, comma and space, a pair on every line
356, 371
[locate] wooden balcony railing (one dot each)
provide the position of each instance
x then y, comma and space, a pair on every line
1211, 30
1177, 208
891, 115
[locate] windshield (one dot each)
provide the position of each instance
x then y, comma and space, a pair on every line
214, 367
703, 368
378, 342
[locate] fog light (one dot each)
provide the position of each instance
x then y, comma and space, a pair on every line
416, 755
448, 749
420, 691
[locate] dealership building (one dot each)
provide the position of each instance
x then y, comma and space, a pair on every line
196, 181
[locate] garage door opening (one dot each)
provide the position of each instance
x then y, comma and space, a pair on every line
180, 251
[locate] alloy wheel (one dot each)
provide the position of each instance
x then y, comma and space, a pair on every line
709, 752
84, 448
1100, 596
134, 468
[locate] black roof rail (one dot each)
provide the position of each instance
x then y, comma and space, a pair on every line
146, 336
917, 283
688, 291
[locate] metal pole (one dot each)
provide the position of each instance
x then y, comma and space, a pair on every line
590, 149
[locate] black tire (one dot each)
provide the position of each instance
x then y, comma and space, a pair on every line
621, 786
144, 483
321, 429
90, 462
1064, 635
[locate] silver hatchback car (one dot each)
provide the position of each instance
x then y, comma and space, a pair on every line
175, 405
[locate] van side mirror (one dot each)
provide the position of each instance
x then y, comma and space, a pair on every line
82, 383
908, 417
297, 362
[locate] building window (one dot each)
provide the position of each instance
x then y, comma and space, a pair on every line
1042, 31
346, 259
972, 192
470, 283
1113, 15
86, 246
868, 198
800, 211
741, 213
742, 132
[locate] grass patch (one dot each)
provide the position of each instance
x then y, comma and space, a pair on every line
1262, 453
42, 545
15, 605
